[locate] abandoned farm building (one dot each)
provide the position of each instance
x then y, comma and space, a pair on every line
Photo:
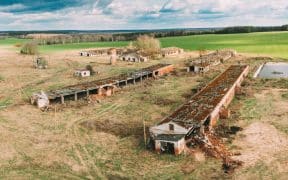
103, 87
171, 51
134, 57
203, 63
200, 113
102, 52
82, 73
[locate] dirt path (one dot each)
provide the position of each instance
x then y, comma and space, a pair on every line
260, 141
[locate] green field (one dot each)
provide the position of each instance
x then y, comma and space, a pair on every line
11, 41
272, 43
61, 47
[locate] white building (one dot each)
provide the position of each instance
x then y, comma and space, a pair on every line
134, 57
82, 73
171, 51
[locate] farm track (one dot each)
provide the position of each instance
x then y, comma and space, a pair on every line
82, 153
106, 110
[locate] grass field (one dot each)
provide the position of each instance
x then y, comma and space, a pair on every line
104, 140
271, 43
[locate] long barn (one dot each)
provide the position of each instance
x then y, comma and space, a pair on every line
201, 112
102, 87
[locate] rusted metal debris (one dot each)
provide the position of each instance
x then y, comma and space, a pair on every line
212, 146
102, 87
193, 122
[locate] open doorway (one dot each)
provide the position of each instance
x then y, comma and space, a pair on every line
192, 69
167, 147
156, 73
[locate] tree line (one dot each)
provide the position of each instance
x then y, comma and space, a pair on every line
132, 36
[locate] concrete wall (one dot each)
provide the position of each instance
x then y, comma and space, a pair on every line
163, 71
227, 99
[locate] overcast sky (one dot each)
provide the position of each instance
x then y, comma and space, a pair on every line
139, 14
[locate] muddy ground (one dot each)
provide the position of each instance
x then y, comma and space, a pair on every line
105, 140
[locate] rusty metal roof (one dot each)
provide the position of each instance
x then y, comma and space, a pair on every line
199, 108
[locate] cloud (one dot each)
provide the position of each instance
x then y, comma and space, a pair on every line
173, 6
12, 7
139, 14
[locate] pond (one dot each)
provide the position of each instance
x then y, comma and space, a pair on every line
273, 70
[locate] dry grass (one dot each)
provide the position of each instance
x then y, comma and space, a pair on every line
95, 140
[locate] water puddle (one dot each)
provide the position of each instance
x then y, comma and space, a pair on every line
273, 70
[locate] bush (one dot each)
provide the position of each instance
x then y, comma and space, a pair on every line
30, 48
148, 44
90, 68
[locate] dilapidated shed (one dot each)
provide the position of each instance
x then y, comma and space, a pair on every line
103, 52
201, 67
134, 57
82, 73
203, 63
171, 51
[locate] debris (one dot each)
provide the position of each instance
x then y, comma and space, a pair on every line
41, 100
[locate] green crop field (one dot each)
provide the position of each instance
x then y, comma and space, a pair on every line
271, 43
61, 47
12, 41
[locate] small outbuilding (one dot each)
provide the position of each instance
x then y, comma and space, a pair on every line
82, 73
198, 67
83, 53
171, 51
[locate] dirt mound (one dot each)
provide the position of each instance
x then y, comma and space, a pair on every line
260, 141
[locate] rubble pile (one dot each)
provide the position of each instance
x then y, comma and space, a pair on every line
212, 146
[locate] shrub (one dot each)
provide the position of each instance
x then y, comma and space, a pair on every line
30, 48
90, 68
148, 44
